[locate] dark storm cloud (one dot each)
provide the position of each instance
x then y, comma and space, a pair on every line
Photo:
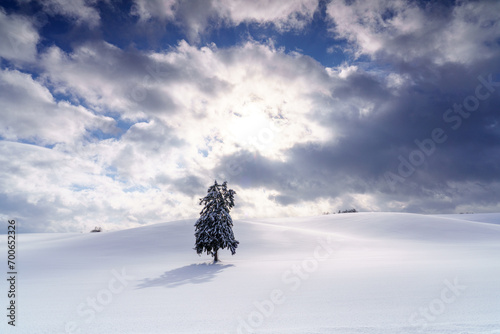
361, 85
403, 120
190, 185
308, 174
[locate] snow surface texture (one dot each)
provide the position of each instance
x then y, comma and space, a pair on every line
348, 273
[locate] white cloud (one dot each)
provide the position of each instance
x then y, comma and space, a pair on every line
473, 33
178, 88
464, 33
72, 191
285, 15
30, 112
163, 9
196, 15
81, 11
18, 39
361, 22
197, 106
94, 72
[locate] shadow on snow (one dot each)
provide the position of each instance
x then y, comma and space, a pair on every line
192, 274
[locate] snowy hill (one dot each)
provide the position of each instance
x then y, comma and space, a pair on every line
348, 273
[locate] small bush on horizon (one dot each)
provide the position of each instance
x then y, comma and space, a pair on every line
348, 211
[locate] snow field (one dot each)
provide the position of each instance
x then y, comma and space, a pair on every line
348, 273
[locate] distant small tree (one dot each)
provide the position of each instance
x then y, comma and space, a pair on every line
214, 227
349, 211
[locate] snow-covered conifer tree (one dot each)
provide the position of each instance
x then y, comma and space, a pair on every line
214, 227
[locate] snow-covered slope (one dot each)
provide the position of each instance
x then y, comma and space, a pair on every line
349, 273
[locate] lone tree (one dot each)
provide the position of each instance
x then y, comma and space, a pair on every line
214, 227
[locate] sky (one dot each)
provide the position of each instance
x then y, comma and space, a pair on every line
122, 113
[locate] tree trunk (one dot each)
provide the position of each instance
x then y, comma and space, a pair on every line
216, 257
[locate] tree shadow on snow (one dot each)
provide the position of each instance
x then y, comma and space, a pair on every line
192, 274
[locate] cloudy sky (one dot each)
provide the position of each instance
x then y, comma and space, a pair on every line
122, 113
